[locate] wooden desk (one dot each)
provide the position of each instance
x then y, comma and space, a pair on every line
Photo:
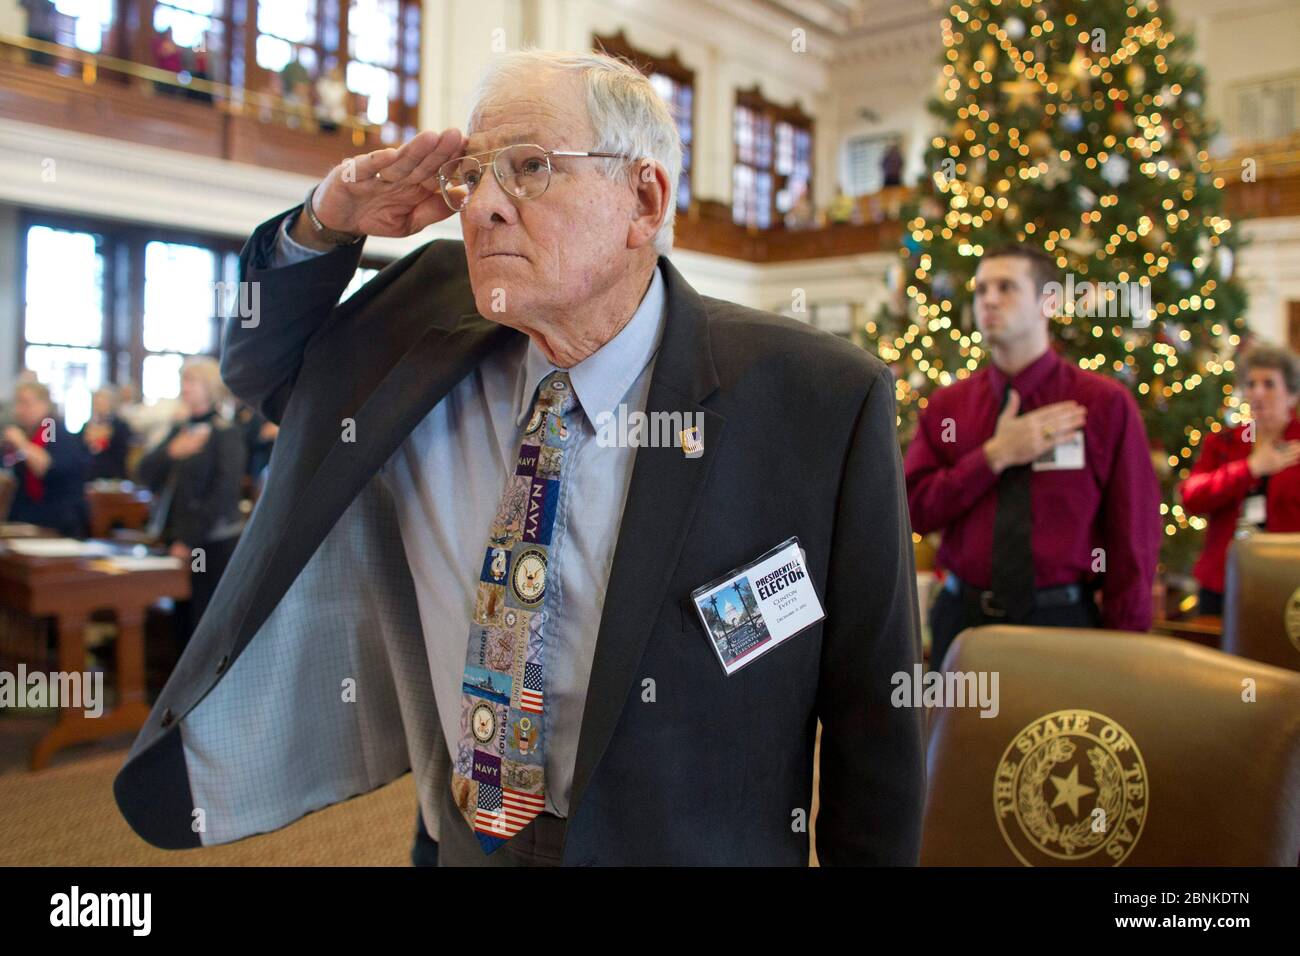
127, 507
1204, 629
69, 590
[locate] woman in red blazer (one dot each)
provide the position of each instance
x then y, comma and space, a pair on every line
1246, 477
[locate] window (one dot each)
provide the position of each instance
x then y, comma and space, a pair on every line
192, 22
676, 84
862, 157
180, 313
106, 302
384, 63
751, 195
1266, 110
83, 23
678, 96
773, 166
63, 316
286, 31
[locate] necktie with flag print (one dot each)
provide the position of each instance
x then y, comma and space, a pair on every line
499, 778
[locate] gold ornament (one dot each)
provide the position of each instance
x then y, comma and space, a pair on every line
1023, 92
1082, 245
1121, 123
1078, 71
1039, 143
989, 54
1155, 237
1137, 77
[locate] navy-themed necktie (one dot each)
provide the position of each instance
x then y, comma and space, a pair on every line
499, 777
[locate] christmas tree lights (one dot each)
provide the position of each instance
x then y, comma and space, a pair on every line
1076, 126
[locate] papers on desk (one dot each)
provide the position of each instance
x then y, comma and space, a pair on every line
58, 548
152, 562
18, 529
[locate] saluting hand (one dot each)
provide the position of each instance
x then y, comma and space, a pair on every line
1019, 439
388, 192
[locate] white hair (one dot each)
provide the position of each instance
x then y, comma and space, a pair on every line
626, 112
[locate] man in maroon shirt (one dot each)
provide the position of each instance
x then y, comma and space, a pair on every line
1038, 474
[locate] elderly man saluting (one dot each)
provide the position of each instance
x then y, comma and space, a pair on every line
447, 572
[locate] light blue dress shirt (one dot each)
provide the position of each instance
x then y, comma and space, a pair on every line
447, 479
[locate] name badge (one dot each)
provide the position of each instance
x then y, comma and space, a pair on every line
758, 606
1066, 456
1254, 510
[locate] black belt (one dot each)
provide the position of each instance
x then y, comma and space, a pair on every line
1060, 596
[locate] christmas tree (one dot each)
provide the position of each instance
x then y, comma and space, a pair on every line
1076, 126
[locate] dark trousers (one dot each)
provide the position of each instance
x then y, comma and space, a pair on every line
952, 614
424, 852
1210, 602
38, 56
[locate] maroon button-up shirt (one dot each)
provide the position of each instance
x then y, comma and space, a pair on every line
1112, 503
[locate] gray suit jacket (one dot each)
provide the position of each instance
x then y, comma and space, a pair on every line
307, 681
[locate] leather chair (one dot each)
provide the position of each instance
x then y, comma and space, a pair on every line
1261, 601
1114, 748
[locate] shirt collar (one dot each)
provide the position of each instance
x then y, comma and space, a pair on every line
1027, 379
603, 378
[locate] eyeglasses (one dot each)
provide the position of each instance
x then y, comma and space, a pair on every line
523, 170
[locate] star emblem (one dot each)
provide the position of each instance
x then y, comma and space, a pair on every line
1069, 790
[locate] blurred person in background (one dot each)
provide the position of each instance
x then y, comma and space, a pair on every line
196, 475
842, 208
891, 164
48, 463
195, 61
167, 56
150, 423
42, 22
107, 437
331, 100
1246, 478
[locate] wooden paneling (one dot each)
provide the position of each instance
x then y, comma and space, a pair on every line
108, 109
1266, 197
725, 238
279, 147
136, 113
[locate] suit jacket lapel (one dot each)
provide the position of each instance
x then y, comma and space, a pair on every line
662, 499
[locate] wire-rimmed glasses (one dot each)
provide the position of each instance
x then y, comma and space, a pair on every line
522, 169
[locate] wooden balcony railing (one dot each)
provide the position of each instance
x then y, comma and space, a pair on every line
116, 98
107, 96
